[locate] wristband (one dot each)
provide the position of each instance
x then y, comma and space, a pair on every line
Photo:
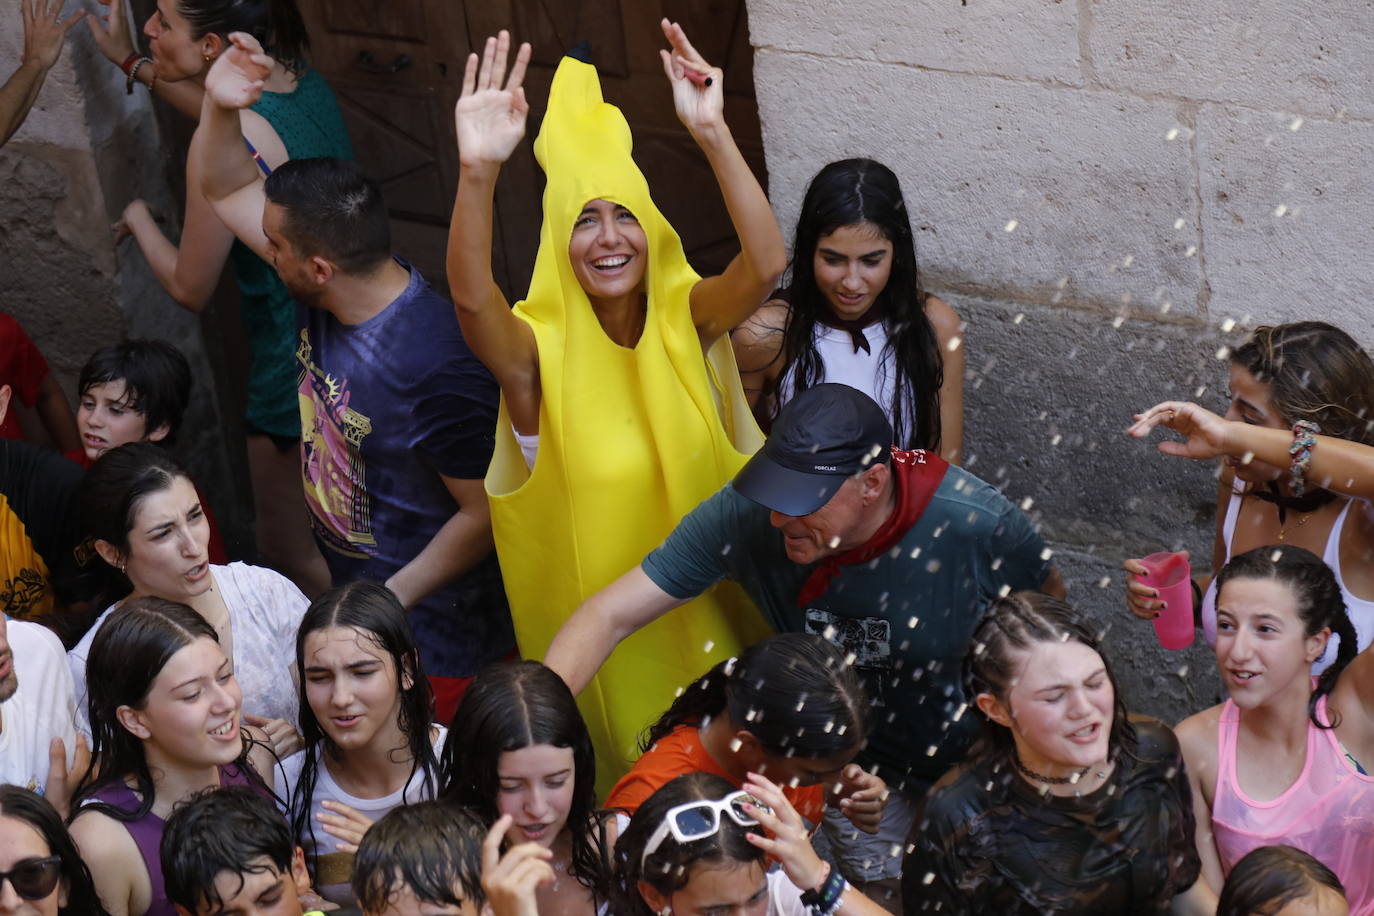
1304, 440
129, 62
826, 898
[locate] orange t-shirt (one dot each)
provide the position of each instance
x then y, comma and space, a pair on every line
681, 752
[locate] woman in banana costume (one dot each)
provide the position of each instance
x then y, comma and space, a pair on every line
621, 403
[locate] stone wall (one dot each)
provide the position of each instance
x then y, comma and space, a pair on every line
85, 150
1097, 186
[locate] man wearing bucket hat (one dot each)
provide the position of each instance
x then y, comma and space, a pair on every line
891, 553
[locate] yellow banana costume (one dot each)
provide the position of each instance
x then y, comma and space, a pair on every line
630, 439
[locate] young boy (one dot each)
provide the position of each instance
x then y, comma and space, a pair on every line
136, 391
436, 859
229, 852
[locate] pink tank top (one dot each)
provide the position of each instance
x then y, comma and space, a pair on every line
1328, 812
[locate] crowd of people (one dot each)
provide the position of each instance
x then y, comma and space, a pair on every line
653, 593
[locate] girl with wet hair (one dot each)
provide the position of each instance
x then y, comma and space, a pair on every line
1063, 805
518, 746
853, 311
1297, 450
296, 118
42, 866
1286, 758
698, 845
145, 519
788, 707
165, 723
365, 713
1282, 881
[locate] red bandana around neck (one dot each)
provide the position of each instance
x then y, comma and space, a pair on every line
855, 326
916, 475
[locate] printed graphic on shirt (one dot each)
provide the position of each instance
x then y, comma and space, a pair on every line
332, 466
24, 590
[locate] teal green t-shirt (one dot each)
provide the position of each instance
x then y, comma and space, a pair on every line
907, 617
309, 123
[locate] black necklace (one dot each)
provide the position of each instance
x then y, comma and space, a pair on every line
1051, 780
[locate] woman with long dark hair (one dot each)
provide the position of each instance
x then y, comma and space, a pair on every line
1063, 805
297, 118
365, 713
1297, 464
165, 723
853, 311
144, 517
1286, 759
698, 845
44, 872
789, 708
518, 747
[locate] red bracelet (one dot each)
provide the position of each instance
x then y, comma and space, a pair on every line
129, 62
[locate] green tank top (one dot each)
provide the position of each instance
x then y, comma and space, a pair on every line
310, 125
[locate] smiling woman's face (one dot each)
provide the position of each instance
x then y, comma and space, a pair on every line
608, 250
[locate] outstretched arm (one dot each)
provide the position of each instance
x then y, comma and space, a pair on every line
1338, 465
44, 29
228, 176
594, 630
490, 121
720, 303
114, 41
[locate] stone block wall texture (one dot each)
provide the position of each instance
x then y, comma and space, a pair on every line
1097, 186
84, 152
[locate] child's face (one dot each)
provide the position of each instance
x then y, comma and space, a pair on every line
106, 420
265, 891
405, 903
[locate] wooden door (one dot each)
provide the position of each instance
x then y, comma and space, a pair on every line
397, 67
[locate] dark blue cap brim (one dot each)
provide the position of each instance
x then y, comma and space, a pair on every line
784, 490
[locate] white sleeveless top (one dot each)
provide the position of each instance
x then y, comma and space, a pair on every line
1360, 611
869, 372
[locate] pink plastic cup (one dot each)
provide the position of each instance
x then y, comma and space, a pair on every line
1169, 573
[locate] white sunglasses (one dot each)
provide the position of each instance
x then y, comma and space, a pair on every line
696, 820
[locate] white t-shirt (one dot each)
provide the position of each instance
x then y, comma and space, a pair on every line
334, 869
40, 709
265, 610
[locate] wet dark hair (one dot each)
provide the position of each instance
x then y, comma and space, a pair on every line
111, 493
128, 652
157, 381
1016, 622
794, 692
669, 868
38, 813
276, 24
1269, 878
1319, 599
513, 705
229, 829
332, 210
376, 613
847, 193
432, 848
1315, 372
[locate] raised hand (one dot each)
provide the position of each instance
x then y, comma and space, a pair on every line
698, 88
112, 35
44, 29
861, 796
511, 880
236, 79
490, 117
1205, 431
790, 844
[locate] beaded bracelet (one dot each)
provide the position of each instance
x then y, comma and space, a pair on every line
1304, 440
133, 75
825, 899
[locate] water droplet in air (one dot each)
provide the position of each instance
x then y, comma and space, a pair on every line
735, 744
709, 646
834, 542
1004, 591
1026, 504
1297, 123
1020, 317
1280, 210
954, 344
1223, 353
1190, 251
1179, 223
1228, 325
1172, 134
1010, 226
1104, 582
